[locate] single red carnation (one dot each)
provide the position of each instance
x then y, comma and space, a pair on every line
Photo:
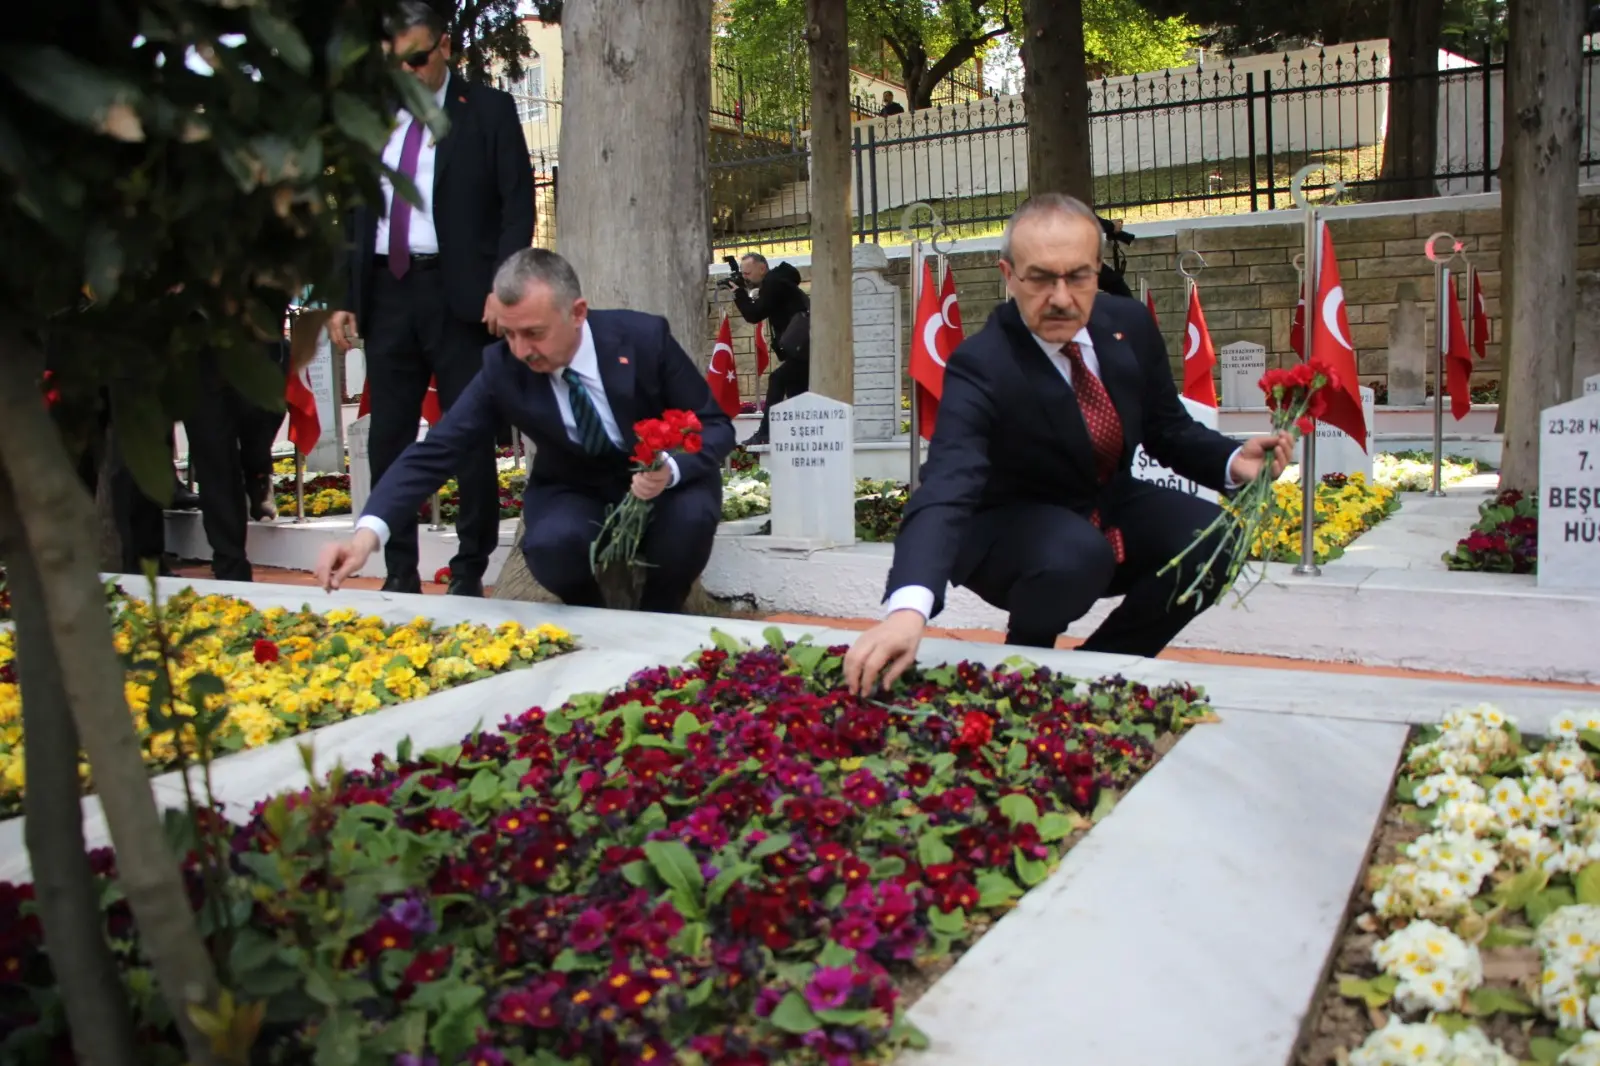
266, 651
441, 576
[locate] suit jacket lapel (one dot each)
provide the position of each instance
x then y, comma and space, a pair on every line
1119, 372
1057, 402
455, 106
616, 358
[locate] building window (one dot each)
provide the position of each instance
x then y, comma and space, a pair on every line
528, 90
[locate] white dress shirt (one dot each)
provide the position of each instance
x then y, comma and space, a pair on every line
423, 235
586, 364
920, 599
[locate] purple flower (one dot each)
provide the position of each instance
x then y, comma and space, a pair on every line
767, 1001
413, 914
856, 933
829, 988
588, 932
485, 1056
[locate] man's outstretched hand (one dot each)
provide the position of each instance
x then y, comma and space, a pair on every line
339, 561
888, 648
1253, 456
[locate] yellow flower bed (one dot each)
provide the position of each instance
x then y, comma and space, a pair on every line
283, 672
1343, 514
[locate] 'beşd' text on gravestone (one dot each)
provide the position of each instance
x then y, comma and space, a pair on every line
1569, 494
813, 470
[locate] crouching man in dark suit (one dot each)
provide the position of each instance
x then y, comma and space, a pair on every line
574, 381
1027, 496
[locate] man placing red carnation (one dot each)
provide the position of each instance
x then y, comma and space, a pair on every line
585, 387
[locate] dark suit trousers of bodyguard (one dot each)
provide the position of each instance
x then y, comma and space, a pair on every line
413, 336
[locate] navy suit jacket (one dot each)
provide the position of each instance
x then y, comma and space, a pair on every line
645, 373
1010, 430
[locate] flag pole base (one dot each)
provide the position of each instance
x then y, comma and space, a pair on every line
1307, 570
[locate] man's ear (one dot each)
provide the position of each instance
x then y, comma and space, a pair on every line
444, 46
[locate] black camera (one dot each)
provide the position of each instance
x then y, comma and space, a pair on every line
734, 279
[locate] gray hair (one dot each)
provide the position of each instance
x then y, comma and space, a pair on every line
757, 256
528, 265
1048, 203
409, 14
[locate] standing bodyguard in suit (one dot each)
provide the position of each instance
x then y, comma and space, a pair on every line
1027, 497
420, 280
574, 381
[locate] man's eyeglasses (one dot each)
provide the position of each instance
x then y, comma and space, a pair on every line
1041, 281
418, 60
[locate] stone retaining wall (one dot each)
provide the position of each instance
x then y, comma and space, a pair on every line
1249, 286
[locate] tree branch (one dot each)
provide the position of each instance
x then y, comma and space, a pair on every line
69, 906
58, 525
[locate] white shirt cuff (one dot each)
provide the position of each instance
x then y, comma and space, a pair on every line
1228, 484
677, 476
379, 527
911, 598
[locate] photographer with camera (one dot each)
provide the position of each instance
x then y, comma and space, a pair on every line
1111, 270
773, 296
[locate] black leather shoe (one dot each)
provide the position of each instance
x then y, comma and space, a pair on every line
403, 583
183, 499
756, 440
465, 586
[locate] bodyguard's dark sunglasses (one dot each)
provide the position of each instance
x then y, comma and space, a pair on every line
418, 60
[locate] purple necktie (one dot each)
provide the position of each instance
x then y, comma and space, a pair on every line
400, 207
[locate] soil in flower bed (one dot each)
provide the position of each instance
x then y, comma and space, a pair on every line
728, 863
1475, 935
270, 674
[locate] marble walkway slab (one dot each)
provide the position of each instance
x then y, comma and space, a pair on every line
1193, 924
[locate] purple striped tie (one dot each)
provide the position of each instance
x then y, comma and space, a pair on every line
400, 207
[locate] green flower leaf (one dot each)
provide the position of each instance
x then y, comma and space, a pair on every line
1103, 805
1374, 993
835, 954
1016, 759
807, 657
685, 726
793, 1015
1547, 903
1501, 936
1500, 1001
1019, 809
339, 1039
1545, 1051
932, 850
282, 37
1030, 871
723, 642
1452, 1023
675, 864
1057, 826
771, 846
952, 924
1587, 884
995, 889
774, 638
557, 724
726, 879
1516, 893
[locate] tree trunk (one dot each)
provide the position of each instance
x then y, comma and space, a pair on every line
832, 353
1055, 94
1542, 103
633, 217
1416, 30
58, 524
69, 905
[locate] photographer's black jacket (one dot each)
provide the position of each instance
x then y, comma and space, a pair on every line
777, 300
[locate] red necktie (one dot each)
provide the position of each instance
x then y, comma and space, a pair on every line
1105, 432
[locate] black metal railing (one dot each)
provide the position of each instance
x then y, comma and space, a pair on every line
1219, 141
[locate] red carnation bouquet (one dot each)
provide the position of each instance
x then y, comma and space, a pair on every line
1296, 398
626, 522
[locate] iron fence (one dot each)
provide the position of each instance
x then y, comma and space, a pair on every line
1219, 141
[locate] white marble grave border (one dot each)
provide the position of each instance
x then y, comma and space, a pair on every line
1212, 895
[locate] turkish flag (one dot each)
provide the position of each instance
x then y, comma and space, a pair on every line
720, 373
763, 354
928, 353
1457, 358
1199, 357
430, 402
1480, 317
950, 308
305, 427
1297, 328
1150, 305
1330, 343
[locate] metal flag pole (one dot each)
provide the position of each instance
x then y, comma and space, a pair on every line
908, 229
1144, 291
1442, 291
1307, 567
299, 485
1191, 278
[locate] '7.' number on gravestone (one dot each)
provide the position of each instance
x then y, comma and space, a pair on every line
1583, 460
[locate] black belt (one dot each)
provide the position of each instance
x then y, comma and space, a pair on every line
419, 261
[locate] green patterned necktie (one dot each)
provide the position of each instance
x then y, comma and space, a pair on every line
591, 431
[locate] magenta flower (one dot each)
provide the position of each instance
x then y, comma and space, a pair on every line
856, 933
829, 988
588, 933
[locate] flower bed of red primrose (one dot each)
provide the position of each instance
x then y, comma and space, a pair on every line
728, 863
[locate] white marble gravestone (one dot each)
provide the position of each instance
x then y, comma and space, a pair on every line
355, 372
1337, 453
813, 471
1408, 350
1569, 494
875, 337
1147, 469
360, 464
325, 457
1242, 365
1591, 385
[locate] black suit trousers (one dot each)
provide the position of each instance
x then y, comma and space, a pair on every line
1047, 566
230, 444
414, 336
562, 522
